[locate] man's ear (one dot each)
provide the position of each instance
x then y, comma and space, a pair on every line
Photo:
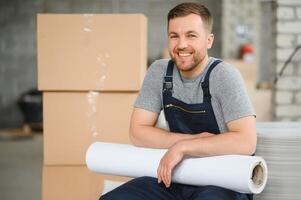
210, 40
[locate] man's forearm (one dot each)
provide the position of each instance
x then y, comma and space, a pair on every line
222, 144
241, 139
152, 137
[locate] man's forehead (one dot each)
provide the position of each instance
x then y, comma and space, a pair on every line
185, 28
189, 22
186, 32
186, 18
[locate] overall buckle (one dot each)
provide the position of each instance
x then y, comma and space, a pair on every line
167, 84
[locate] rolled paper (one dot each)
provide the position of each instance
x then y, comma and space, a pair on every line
245, 174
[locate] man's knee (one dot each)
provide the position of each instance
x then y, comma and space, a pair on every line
130, 190
218, 193
144, 179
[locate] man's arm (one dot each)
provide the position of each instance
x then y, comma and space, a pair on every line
143, 132
241, 139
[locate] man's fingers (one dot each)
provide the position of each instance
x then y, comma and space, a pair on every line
159, 173
163, 172
167, 164
168, 177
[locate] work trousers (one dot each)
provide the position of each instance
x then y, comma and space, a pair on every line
147, 188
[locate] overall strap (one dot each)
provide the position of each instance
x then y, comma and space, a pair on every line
205, 83
167, 84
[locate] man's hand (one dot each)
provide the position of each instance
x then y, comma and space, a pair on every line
172, 157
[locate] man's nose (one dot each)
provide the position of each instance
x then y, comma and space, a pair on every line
182, 43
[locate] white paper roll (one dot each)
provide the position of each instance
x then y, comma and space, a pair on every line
109, 185
161, 121
245, 174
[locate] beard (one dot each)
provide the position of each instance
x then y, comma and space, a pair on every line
186, 64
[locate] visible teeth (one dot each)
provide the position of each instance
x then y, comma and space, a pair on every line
184, 54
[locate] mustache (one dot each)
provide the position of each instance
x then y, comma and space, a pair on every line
186, 49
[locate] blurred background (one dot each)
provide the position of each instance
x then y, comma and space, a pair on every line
260, 37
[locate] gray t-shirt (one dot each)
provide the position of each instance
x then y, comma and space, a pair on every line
229, 100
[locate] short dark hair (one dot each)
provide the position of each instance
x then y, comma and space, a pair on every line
184, 9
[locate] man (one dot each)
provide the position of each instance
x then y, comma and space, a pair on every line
205, 104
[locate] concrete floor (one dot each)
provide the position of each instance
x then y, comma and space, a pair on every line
21, 168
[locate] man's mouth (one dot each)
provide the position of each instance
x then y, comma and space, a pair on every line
184, 54
181, 54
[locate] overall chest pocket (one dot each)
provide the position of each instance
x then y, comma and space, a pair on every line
186, 120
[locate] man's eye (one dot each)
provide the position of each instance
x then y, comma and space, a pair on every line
192, 36
173, 36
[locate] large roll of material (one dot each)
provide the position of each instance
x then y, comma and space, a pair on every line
245, 174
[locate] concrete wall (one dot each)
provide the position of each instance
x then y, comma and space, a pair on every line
18, 67
17, 55
267, 43
239, 26
287, 92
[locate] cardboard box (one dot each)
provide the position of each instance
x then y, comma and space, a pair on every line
82, 52
73, 121
76, 183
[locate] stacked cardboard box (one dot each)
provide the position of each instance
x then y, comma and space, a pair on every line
90, 69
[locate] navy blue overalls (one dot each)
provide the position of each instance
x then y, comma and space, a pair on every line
187, 119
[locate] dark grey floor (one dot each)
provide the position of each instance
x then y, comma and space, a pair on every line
21, 168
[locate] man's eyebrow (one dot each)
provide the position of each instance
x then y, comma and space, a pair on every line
188, 32
194, 32
172, 33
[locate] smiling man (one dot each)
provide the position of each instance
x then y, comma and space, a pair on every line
188, 43
205, 104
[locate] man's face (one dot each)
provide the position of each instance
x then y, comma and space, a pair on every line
188, 41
